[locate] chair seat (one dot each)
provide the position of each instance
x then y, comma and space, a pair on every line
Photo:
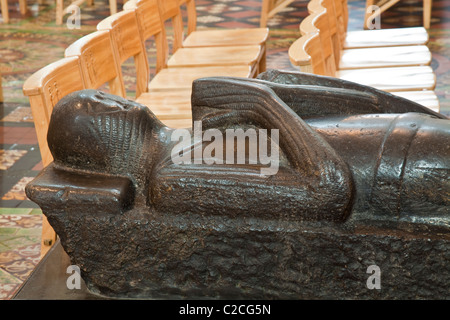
386, 37
182, 78
426, 98
168, 105
215, 56
385, 57
392, 79
232, 37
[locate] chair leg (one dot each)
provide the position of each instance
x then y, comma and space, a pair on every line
427, 5
59, 11
23, 6
5, 12
265, 8
262, 63
113, 6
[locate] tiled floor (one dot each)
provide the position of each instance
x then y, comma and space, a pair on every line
31, 43
20, 234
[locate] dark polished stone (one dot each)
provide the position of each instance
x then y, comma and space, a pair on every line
362, 180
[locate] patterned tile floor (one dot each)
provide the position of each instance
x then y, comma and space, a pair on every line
33, 41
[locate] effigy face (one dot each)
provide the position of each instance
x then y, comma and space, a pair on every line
289, 186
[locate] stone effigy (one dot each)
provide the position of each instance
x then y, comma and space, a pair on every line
330, 180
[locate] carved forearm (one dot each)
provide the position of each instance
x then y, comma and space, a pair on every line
384, 101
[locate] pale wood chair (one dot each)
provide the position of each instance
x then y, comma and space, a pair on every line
44, 89
205, 56
386, 4
270, 8
216, 37
358, 58
219, 37
98, 62
314, 53
151, 28
5, 12
61, 11
368, 38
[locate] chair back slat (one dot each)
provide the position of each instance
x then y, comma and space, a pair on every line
151, 27
127, 43
191, 11
169, 10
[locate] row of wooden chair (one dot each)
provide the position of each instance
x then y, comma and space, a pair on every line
396, 61
143, 31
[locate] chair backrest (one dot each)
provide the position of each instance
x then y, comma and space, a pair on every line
307, 25
335, 12
151, 27
44, 89
170, 11
341, 16
98, 62
335, 34
321, 22
306, 53
191, 11
127, 43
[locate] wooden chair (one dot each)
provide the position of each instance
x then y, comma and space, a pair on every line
358, 58
205, 56
314, 52
219, 37
44, 89
98, 62
386, 4
270, 8
151, 28
368, 38
5, 12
